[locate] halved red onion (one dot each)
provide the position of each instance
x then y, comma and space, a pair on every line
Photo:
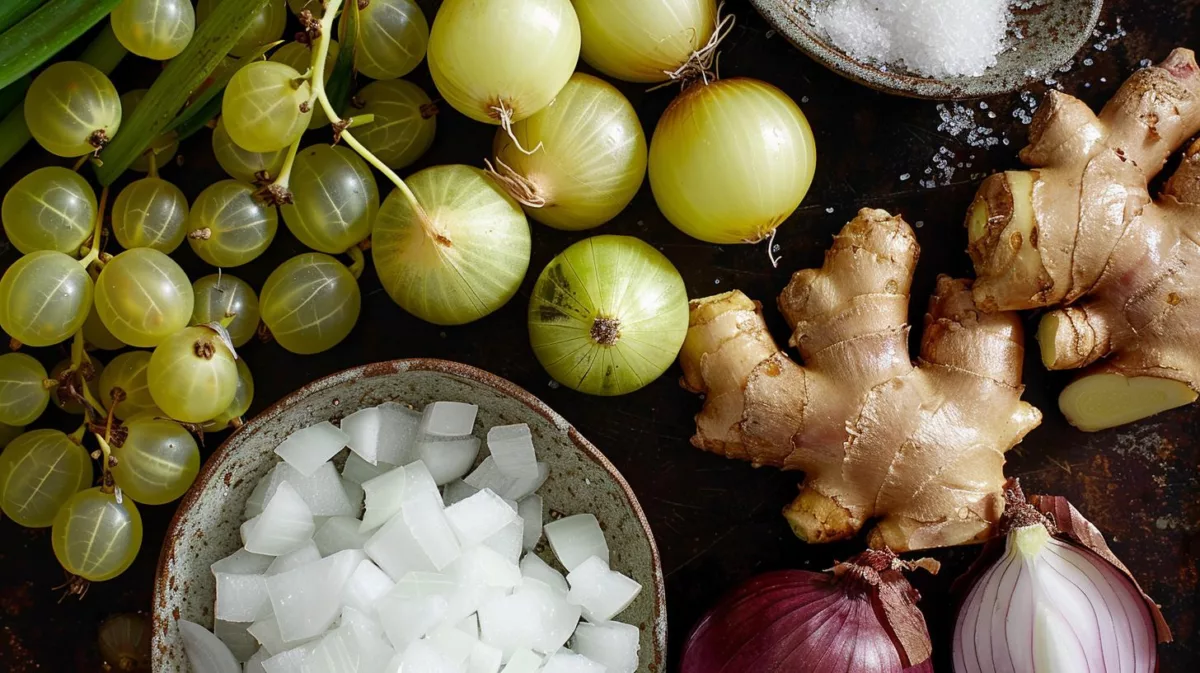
861, 617
1050, 597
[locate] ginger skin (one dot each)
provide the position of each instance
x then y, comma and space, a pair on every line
1079, 233
918, 446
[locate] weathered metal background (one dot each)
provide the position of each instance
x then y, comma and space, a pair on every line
717, 522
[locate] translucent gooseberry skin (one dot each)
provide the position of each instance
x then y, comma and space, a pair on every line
143, 297
7, 434
228, 226
52, 208
150, 213
392, 40
162, 149
310, 303
219, 296
262, 106
96, 335
23, 394
72, 109
334, 199
265, 27
241, 400
154, 29
244, 165
299, 57
468, 259
91, 380
93, 516
405, 121
39, 472
44, 298
127, 371
192, 375
157, 462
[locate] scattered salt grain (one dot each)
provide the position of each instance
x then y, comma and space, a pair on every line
936, 38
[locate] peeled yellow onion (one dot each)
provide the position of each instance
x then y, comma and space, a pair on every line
503, 60
590, 161
459, 256
731, 160
644, 40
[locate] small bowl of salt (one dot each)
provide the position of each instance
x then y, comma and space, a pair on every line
937, 48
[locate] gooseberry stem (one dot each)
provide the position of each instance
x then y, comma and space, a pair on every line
94, 253
79, 434
106, 480
358, 261
320, 55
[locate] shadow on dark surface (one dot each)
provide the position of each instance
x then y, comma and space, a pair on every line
717, 522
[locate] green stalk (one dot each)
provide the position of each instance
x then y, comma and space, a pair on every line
45, 32
13, 11
104, 53
343, 70
13, 95
185, 73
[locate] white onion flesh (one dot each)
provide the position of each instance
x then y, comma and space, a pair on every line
590, 158
643, 40
1048, 606
503, 55
731, 160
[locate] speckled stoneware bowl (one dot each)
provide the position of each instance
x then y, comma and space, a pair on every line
205, 528
1053, 30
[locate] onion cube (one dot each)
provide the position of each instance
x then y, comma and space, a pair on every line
267, 633
415, 607
448, 419
484, 659
242, 562
512, 448
241, 594
534, 568
308, 599
483, 566
394, 549
448, 460
339, 533
576, 538
534, 617
356, 496
525, 486
348, 649
423, 657
530, 510
457, 491
365, 587
205, 652
285, 524
427, 522
507, 541
263, 490
602, 593
569, 662
294, 559
360, 471
454, 645
322, 491
311, 447
289, 661
479, 517
613, 644
362, 433
469, 626
235, 636
384, 495
254, 664
398, 432
523, 661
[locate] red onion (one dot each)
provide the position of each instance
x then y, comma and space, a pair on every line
1049, 596
862, 617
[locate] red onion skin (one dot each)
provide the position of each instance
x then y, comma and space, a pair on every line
795, 621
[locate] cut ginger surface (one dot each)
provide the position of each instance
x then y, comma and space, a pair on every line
917, 446
1080, 233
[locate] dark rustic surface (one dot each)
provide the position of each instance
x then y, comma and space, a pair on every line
717, 522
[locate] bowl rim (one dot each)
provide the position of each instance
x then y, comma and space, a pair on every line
216, 462
815, 47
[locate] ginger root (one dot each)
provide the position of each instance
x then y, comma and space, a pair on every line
1081, 234
919, 446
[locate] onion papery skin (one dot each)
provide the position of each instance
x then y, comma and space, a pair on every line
731, 160
791, 621
512, 53
1050, 606
643, 40
592, 159
466, 260
608, 315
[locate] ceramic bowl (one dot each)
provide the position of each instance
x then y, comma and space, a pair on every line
1053, 30
205, 527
